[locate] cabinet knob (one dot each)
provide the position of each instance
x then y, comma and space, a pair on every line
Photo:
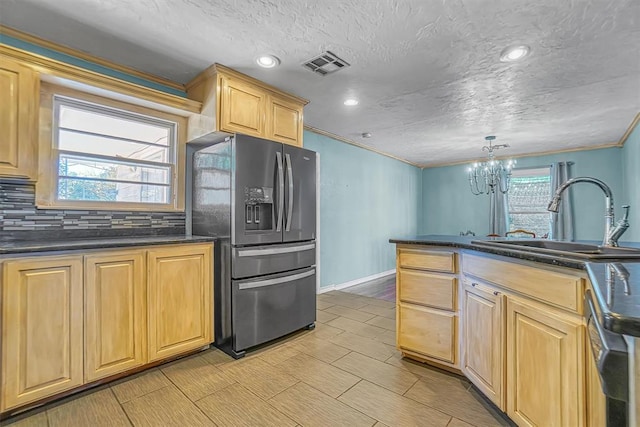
496, 293
474, 284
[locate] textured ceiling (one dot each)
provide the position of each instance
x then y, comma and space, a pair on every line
427, 72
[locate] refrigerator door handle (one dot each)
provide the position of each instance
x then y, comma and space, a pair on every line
277, 281
290, 179
280, 192
275, 251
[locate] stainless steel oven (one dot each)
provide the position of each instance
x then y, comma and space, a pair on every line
612, 360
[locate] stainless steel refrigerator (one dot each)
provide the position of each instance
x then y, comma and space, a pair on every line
258, 197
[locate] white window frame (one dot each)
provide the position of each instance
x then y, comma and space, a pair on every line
523, 172
52, 96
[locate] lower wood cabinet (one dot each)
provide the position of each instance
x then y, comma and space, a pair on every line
42, 344
484, 339
428, 332
545, 365
596, 400
180, 300
115, 311
62, 328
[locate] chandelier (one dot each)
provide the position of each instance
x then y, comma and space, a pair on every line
487, 177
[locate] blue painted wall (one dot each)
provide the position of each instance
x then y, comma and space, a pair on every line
449, 207
365, 199
631, 173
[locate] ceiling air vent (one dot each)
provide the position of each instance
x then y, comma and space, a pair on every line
325, 63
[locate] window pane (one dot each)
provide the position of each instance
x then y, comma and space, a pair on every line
93, 144
71, 166
108, 191
538, 222
95, 122
529, 194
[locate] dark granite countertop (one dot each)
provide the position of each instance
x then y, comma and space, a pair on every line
12, 246
616, 288
619, 304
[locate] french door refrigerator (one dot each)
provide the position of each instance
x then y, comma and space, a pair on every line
258, 197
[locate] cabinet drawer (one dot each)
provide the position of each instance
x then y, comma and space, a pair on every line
428, 332
432, 289
427, 260
563, 290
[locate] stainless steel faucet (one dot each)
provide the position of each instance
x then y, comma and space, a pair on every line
611, 233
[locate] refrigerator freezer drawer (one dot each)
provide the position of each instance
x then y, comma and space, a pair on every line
269, 259
270, 307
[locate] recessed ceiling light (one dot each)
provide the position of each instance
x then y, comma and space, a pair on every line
350, 102
267, 61
514, 53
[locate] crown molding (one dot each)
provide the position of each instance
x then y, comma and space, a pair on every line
630, 129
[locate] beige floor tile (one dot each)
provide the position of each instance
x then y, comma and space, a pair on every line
379, 424
389, 313
382, 303
260, 377
196, 378
279, 354
454, 399
388, 337
355, 327
391, 408
96, 409
380, 373
216, 357
458, 423
27, 420
323, 331
367, 346
383, 322
350, 313
320, 349
322, 305
424, 370
311, 408
322, 376
166, 407
345, 301
324, 317
238, 407
132, 387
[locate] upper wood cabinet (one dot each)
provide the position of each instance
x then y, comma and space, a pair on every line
234, 102
179, 299
115, 313
41, 328
19, 91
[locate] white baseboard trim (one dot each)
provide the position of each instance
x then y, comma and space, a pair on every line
339, 286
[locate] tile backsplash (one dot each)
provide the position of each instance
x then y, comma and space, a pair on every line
19, 213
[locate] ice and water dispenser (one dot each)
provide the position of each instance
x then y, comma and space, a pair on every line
258, 208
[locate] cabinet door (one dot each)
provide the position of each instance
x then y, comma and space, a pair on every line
114, 313
285, 121
242, 108
483, 343
545, 366
19, 91
180, 299
42, 328
426, 331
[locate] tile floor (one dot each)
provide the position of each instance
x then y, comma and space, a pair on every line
346, 372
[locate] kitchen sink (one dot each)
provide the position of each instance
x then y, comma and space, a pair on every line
565, 249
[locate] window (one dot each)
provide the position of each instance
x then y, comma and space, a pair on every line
528, 197
106, 154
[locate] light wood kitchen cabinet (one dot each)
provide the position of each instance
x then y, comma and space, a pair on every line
179, 299
42, 343
484, 339
19, 91
429, 332
427, 305
285, 120
545, 365
114, 313
242, 107
234, 102
596, 400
